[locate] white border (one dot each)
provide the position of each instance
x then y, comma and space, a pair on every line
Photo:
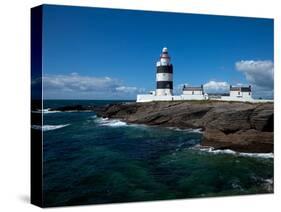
15, 92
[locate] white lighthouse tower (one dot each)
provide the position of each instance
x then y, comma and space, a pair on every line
164, 75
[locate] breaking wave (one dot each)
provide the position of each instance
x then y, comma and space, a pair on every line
45, 111
49, 110
110, 122
48, 127
199, 130
115, 122
119, 123
231, 152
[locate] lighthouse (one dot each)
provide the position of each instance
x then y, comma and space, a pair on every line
164, 75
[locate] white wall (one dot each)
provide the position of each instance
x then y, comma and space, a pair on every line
241, 94
193, 97
247, 94
164, 92
150, 98
236, 98
235, 93
243, 99
194, 93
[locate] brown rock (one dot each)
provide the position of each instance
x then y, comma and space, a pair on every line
233, 125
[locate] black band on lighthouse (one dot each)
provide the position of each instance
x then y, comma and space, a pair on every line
164, 85
165, 69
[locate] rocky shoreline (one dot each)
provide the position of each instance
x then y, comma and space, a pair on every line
243, 127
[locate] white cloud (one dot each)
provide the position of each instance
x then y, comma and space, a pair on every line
75, 86
75, 82
216, 87
258, 73
126, 89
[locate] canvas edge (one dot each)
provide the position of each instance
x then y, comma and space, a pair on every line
36, 145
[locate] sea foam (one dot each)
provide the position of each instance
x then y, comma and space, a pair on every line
199, 130
119, 123
231, 152
46, 111
110, 122
48, 127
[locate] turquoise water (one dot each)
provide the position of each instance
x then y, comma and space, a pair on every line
90, 160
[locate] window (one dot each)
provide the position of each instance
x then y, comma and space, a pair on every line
192, 92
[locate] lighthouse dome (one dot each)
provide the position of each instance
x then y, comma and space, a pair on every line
165, 49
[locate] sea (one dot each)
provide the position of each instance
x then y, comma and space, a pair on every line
93, 160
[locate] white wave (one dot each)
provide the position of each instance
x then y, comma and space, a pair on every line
261, 155
199, 130
45, 111
48, 110
116, 123
48, 127
119, 123
231, 152
110, 122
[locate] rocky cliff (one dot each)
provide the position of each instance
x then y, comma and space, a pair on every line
238, 126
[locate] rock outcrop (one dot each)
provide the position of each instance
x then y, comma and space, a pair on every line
238, 126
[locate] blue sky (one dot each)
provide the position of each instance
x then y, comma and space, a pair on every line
93, 53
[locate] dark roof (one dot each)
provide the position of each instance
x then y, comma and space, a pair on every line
217, 94
235, 88
242, 89
246, 89
189, 88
